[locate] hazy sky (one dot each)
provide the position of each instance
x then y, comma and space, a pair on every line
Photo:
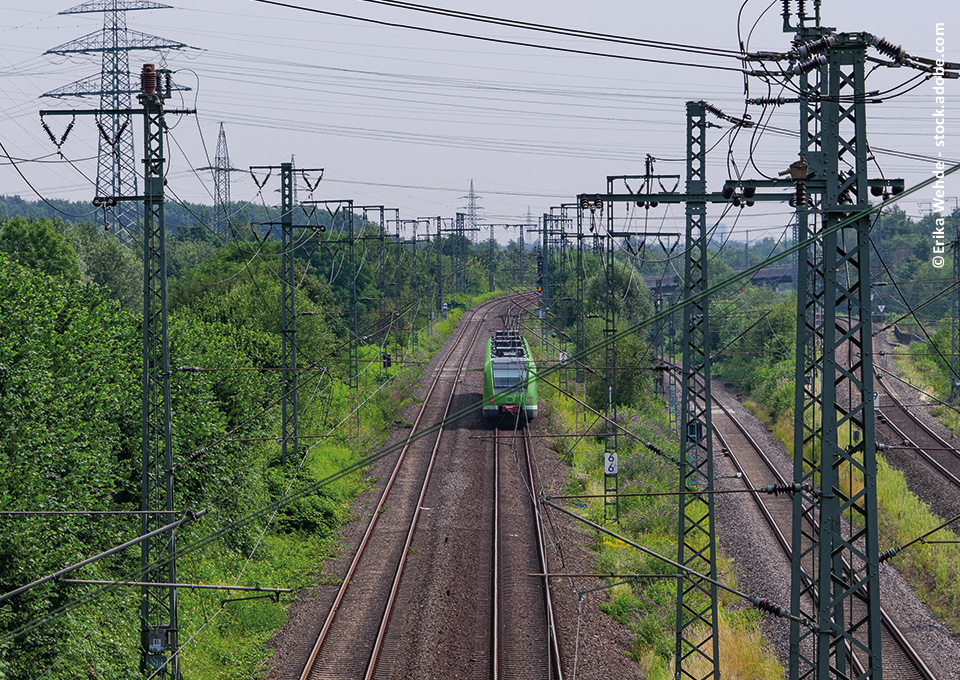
406, 118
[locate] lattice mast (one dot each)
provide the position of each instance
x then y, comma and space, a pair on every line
290, 409
116, 165
611, 456
158, 609
697, 639
472, 208
835, 428
221, 184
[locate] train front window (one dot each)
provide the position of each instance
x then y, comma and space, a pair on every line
508, 376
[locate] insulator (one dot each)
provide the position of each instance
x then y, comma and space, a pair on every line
886, 47
815, 46
887, 554
736, 201
653, 448
749, 192
768, 101
654, 204
751, 203
168, 84
727, 192
801, 196
786, 8
808, 65
715, 111
50, 134
876, 191
777, 489
584, 203
148, 79
768, 606
66, 133
802, 8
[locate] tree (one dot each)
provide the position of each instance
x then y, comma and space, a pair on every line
631, 297
109, 264
36, 244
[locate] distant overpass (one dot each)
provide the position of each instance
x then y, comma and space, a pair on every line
773, 277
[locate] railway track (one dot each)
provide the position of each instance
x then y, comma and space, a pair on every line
353, 641
907, 428
525, 645
900, 659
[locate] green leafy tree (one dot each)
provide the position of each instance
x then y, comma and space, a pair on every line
37, 244
631, 297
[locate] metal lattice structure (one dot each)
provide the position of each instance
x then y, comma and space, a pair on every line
491, 260
611, 456
116, 167
543, 277
159, 627
353, 372
835, 536
221, 170
158, 606
221, 185
472, 209
439, 244
460, 254
697, 639
289, 407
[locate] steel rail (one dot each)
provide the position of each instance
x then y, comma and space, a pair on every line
888, 623
495, 605
921, 450
381, 633
542, 553
335, 607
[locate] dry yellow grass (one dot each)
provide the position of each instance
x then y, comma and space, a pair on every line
744, 654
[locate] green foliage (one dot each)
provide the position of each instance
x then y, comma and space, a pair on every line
68, 433
105, 262
648, 606
754, 348
630, 297
36, 244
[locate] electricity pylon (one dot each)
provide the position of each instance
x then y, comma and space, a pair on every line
221, 169
116, 167
159, 627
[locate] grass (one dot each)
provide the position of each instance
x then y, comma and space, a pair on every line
226, 640
930, 568
648, 607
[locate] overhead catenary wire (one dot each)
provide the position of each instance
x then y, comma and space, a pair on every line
501, 41
357, 465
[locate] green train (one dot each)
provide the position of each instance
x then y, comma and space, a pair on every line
509, 377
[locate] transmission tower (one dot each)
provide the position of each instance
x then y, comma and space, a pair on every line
472, 208
116, 168
221, 169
